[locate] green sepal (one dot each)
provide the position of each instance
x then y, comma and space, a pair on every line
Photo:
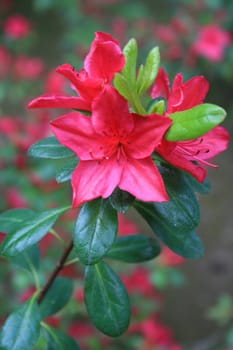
149, 72
129, 93
49, 148
95, 230
106, 300
30, 232
12, 218
22, 328
194, 122
134, 249
174, 221
57, 340
57, 297
121, 200
64, 173
156, 106
129, 70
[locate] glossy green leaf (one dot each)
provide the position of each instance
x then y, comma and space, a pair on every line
28, 259
64, 174
121, 200
22, 328
12, 218
49, 148
95, 230
106, 300
30, 232
174, 221
129, 70
201, 187
150, 71
194, 122
58, 340
134, 248
57, 297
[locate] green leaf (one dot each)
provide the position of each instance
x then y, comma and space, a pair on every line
134, 248
150, 71
194, 122
30, 232
57, 297
12, 218
64, 174
49, 148
129, 70
95, 230
156, 106
121, 200
174, 221
28, 259
58, 340
201, 187
106, 300
22, 328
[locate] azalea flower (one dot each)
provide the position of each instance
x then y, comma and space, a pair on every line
193, 155
189, 155
114, 147
104, 59
181, 95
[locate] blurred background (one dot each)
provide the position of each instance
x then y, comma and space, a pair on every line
192, 300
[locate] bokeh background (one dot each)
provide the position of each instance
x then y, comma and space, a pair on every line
194, 304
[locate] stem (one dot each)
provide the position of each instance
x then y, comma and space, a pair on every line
58, 268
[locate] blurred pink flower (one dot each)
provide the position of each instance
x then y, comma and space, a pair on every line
155, 334
169, 258
14, 198
5, 62
211, 43
55, 83
139, 281
125, 226
28, 68
16, 26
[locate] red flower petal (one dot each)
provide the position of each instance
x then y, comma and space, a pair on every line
104, 58
111, 114
187, 95
87, 87
93, 179
147, 134
168, 151
76, 132
161, 86
142, 179
59, 101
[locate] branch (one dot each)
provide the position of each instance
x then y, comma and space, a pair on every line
55, 272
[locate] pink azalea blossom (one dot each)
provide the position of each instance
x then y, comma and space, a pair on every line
16, 26
114, 147
211, 43
190, 155
181, 95
104, 59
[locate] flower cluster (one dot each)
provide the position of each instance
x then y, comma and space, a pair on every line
119, 139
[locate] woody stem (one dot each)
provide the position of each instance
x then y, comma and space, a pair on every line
59, 266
